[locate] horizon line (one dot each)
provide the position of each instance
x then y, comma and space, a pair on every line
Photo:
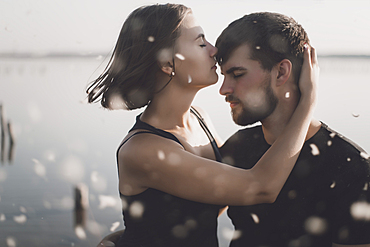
108, 54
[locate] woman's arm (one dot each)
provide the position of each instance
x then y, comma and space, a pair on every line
149, 161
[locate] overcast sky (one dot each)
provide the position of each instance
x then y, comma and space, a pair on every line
92, 26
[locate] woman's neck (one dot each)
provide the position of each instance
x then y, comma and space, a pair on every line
169, 109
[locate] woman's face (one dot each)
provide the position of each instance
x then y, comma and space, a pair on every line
194, 56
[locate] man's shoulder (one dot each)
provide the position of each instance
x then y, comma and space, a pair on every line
344, 155
244, 136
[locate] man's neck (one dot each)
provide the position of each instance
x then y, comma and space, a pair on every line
273, 129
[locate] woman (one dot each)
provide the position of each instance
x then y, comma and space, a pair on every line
169, 181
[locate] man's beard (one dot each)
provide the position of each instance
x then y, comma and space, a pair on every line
250, 113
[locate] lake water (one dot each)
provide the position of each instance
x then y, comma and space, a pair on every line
61, 143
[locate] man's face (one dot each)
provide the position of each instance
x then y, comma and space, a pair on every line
247, 87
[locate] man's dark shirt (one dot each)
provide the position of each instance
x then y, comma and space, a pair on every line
325, 199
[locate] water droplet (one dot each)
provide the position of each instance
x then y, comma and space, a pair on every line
258, 47
364, 155
230, 234
315, 225
332, 186
255, 218
114, 226
107, 201
254, 21
366, 187
11, 242
39, 168
3, 175
161, 155
80, 232
179, 56
189, 79
72, 169
348, 159
292, 194
99, 182
355, 114
287, 95
22, 209
136, 209
151, 39
174, 159
360, 211
179, 231
20, 219
329, 143
332, 135
2, 217
315, 150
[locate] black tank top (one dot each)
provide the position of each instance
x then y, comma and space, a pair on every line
154, 218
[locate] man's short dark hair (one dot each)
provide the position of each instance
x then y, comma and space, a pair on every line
272, 37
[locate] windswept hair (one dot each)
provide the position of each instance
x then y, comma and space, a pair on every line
272, 37
130, 75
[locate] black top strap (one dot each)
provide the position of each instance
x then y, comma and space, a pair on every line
208, 133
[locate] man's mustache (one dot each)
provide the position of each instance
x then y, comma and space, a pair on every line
231, 98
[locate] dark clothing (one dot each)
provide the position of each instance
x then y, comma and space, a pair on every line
167, 220
325, 199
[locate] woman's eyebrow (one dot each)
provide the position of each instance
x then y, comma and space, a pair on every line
201, 35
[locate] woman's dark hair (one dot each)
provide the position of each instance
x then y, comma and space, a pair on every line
131, 72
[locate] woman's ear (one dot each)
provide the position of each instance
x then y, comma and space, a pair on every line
284, 68
167, 68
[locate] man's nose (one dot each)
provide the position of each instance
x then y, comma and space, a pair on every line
226, 87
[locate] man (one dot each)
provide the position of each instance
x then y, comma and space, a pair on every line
325, 201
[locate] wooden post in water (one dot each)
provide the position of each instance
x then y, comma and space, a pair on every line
2, 130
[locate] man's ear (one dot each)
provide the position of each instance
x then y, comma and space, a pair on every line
284, 69
167, 68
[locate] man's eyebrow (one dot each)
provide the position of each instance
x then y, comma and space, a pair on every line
232, 69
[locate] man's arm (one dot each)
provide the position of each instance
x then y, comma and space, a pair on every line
357, 245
